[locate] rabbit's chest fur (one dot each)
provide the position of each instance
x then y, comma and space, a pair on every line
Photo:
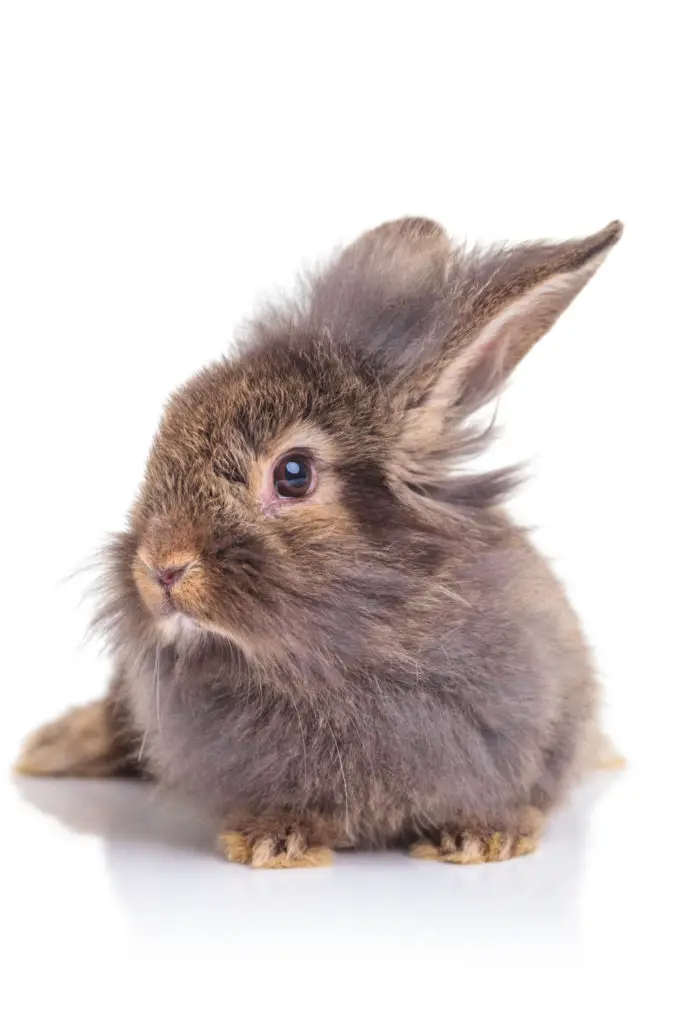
374, 760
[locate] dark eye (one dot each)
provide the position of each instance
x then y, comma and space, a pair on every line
294, 476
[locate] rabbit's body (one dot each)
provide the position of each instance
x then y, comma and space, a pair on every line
322, 632
383, 756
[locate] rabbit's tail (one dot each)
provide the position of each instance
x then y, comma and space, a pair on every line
601, 753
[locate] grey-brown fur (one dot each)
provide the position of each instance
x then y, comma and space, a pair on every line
397, 659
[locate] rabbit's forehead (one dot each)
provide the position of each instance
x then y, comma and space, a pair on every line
244, 434
245, 414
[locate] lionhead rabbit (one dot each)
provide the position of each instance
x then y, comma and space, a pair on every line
321, 630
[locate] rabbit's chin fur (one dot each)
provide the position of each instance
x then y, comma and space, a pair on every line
179, 630
384, 658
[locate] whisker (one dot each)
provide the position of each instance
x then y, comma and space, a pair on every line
303, 743
142, 745
157, 686
343, 775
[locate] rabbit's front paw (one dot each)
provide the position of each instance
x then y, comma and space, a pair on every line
458, 845
286, 846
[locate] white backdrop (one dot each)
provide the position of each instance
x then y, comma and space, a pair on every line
165, 164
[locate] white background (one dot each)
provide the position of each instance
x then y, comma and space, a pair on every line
165, 164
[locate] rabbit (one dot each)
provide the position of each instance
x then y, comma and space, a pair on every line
325, 631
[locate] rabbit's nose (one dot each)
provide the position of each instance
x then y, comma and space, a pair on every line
169, 575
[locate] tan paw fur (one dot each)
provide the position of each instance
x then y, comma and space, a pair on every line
480, 846
79, 743
272, 850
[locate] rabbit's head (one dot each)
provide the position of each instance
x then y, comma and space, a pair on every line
299, 496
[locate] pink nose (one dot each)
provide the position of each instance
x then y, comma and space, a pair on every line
171, 574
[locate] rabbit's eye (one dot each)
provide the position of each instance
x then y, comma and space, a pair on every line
294, 476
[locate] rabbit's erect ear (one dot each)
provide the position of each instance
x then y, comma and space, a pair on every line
382, 290
497, 305
400, 253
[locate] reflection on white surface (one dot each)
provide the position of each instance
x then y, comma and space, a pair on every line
113, 888
165, 875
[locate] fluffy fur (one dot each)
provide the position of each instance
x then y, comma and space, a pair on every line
389, 661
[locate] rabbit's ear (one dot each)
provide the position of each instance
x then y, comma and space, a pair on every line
382, 290
500, 304
400, 252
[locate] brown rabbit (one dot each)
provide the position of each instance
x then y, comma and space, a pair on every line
321, 631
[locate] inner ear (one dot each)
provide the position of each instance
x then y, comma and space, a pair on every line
493, 326
495, 349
